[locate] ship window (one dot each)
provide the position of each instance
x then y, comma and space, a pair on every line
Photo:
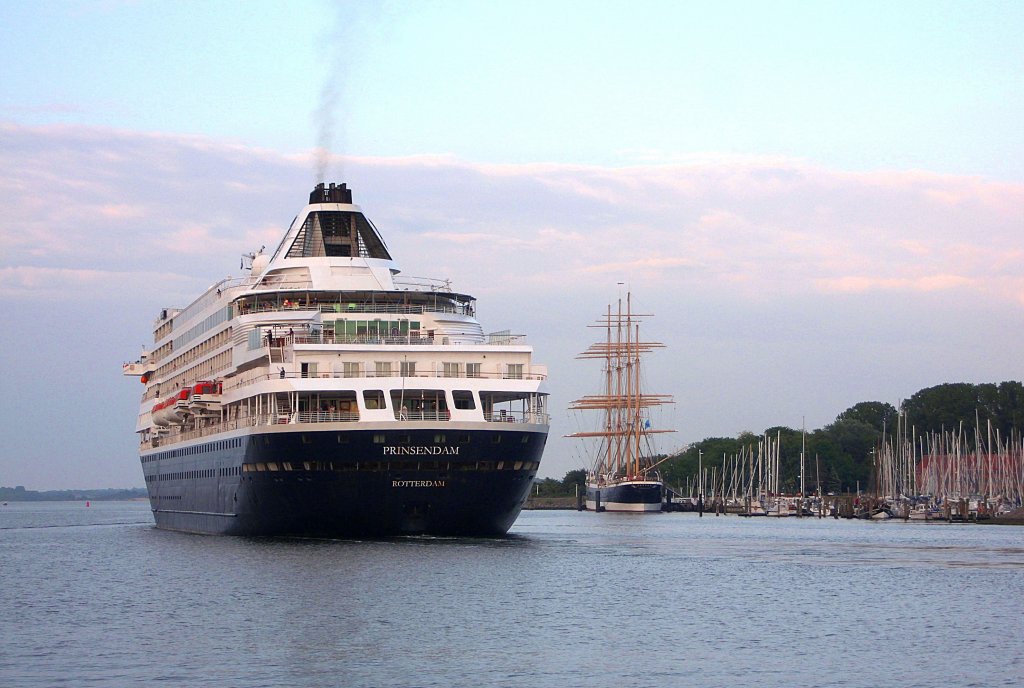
463, 439
378, 438
524, 439
419, 404
342, 439
440, 439
373, 398
463, 399
495, 439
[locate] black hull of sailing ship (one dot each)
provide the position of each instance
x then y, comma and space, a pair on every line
638, 496
331, 483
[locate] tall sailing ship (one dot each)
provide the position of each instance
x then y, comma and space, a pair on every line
624, 476
321, 394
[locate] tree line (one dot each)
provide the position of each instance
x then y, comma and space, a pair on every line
840, 455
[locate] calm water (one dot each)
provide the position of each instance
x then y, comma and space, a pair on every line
98, 596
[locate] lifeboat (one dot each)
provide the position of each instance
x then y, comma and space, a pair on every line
172, 410
205, 398
178, 406
159, 415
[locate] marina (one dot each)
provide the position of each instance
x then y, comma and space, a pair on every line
935, 477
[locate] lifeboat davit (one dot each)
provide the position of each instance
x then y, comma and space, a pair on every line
205, 398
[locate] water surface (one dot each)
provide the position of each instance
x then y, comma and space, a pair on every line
97, 596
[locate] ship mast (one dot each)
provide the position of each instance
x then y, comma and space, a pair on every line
623, 401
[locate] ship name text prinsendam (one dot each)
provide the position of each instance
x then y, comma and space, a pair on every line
419, 451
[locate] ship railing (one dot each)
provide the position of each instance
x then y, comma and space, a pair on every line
406, 309
252, 421
328, 337
429, 284
328, 417
182, 315
373, 374
406, 414
518, 417
204, 431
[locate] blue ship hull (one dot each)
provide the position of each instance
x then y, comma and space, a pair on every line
345, 483
638, 496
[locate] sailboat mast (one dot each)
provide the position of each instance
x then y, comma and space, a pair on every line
621, 440
803, 452
632, 398
609, 424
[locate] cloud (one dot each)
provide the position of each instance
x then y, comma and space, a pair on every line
64, 284
94, 198
867, 284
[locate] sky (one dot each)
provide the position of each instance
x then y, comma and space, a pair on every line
820, 203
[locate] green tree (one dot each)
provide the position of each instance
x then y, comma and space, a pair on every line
1007, 407
877, 414
855, 441
547, 487
574, 479
944, 407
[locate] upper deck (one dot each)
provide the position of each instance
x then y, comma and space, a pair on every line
328, 314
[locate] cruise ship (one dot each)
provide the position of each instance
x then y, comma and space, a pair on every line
321, 394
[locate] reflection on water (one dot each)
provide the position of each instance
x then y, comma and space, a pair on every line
568, 599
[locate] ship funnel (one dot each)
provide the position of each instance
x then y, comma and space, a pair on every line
335, 193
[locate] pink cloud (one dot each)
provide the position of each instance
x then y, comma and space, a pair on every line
121, 211
926, 283
101, 285
103, 198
